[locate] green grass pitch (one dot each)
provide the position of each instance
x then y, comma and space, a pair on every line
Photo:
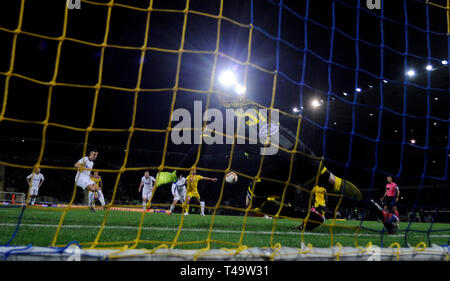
38, 227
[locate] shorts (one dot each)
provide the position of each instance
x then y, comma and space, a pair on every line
34, 191
180, 195
147, 193
389, 201
193, 194
84, 182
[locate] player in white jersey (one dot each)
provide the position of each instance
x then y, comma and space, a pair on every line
178, 192
147, 181
35, 181
83, 176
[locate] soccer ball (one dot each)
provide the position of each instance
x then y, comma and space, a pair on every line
231, 178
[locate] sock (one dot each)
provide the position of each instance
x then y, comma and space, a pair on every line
202, 207
101, 198
144, 204
186, 208
396, 213
172, 207
33, 199
149, 197
91, 198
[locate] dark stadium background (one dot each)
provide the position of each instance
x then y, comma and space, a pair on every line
375, 154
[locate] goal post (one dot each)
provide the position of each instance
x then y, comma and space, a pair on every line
12, 198
370, 253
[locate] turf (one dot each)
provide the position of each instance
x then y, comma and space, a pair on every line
38, 227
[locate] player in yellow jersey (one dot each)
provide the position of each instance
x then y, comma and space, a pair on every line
192, 191
319, 194
97, 179
98, 194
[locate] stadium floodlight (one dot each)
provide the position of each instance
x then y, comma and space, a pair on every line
358, 90
345, 94
444, 62
385, 81
315, 103
411, 73
227, 78
413, 141
295, 109
429, 67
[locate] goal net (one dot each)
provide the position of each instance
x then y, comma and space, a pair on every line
12, 198
311, 104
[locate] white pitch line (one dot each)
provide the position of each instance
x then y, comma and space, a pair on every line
214, 230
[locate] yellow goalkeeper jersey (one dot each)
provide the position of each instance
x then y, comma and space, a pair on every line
96, 180
319, 195
192, 182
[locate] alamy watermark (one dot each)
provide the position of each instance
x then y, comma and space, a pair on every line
262, 126
373, 4
74, 253
374, 253
74, 4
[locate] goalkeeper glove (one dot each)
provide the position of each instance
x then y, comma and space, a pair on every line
166, 178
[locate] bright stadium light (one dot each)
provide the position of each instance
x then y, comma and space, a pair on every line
315, 103
444, 62
358, 90
295, 109
411, 73
429, 67
385, 81
345, 94
413, 141
227, 78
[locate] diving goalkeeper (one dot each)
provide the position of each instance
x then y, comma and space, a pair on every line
266, 193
